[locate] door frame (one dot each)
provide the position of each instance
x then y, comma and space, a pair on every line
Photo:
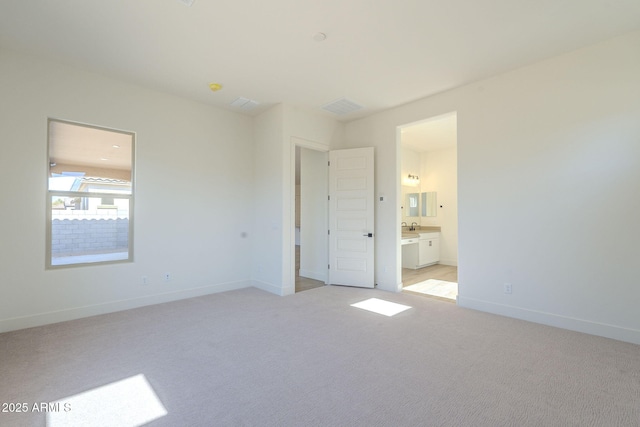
399, 201
312, 145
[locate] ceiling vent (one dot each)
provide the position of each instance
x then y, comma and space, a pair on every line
341, 107
244, 103
187, 2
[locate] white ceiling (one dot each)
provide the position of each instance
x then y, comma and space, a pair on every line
377, 54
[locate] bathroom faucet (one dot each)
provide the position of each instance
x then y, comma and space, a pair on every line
404, 224
413, 224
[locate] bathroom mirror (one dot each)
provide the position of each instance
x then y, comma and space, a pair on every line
429, 204
413, 201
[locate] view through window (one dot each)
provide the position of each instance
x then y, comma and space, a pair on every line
90, 194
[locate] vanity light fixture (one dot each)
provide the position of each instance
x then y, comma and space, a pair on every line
412, 180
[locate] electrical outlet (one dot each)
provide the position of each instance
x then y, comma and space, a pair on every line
507, 288
145, 280
167, 277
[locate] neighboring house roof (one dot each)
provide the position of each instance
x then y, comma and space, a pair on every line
73, 182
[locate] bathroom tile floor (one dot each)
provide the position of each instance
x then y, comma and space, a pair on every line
447, 273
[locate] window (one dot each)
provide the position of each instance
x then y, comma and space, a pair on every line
89, 194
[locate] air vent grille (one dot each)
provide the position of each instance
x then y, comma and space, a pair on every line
244, 103
342, 106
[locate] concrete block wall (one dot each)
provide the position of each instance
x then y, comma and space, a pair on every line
79, 236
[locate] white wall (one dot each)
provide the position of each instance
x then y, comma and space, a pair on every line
277, 132
548, 184
410, 164
311, 130
439, 173
314, 221
267, 266
194, 194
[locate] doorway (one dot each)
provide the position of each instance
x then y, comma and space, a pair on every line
311, 216
429, 203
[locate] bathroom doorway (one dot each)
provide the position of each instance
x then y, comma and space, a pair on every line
429, 204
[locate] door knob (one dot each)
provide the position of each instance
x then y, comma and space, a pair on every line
368, 235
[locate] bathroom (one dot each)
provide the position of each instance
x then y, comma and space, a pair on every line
429, 205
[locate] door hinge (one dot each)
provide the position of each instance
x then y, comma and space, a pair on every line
328, 197
329, 266
329, 163
328, 231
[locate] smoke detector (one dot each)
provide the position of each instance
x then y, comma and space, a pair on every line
187, 2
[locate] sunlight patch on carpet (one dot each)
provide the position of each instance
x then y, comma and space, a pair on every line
380, 306
127, 403
438, 288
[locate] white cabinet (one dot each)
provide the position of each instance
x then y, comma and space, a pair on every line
425, 252
410, 253
428, 250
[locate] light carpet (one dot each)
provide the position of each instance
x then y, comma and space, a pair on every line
438, 288
250, 358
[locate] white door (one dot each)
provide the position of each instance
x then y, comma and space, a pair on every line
351, 197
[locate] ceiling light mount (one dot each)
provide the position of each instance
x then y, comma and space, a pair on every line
319, 37
215, 86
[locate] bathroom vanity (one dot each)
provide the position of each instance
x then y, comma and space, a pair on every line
420, 248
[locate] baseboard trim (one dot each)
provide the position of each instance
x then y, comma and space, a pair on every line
451, 262
40, 319
551, 319
269, 287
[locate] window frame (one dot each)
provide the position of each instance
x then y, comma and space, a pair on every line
52, 193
